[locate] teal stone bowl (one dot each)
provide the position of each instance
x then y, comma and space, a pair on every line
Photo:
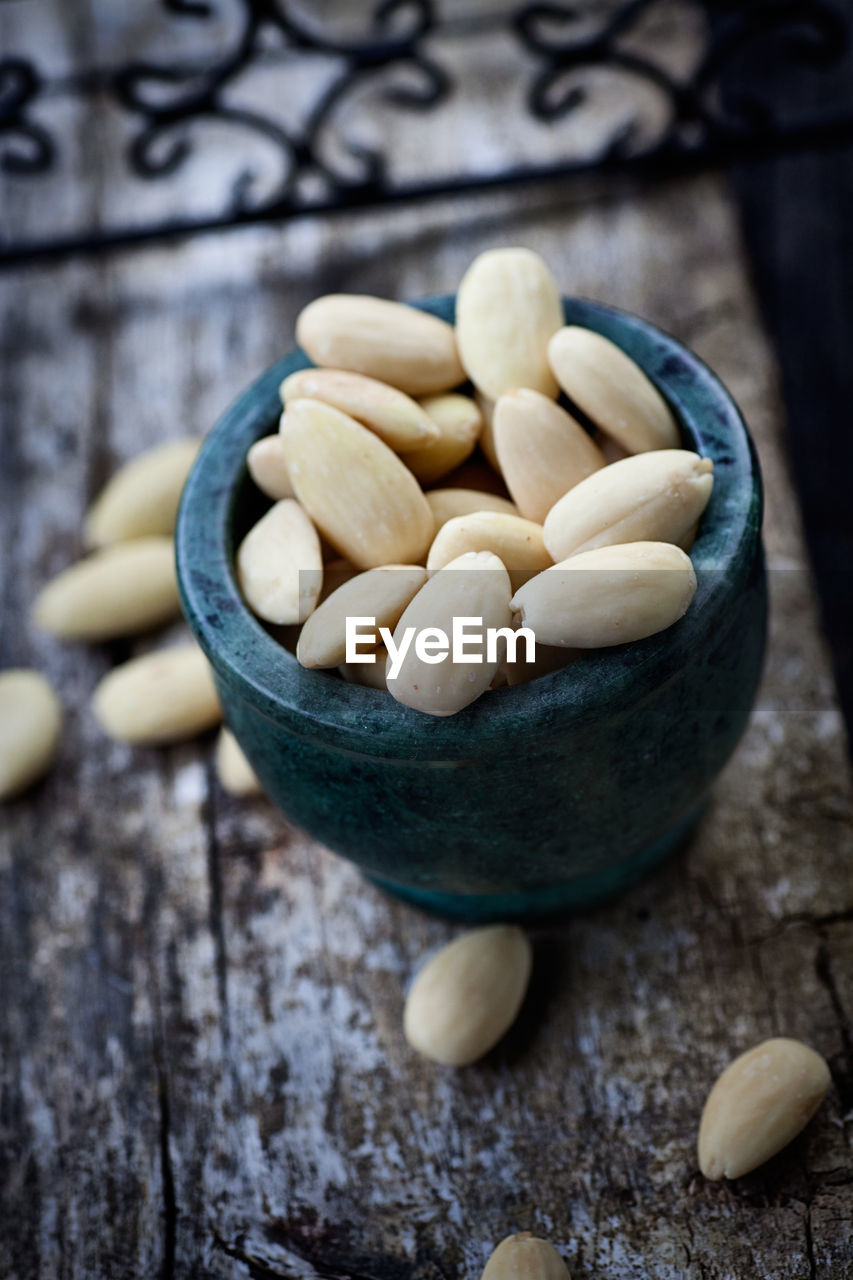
542, 797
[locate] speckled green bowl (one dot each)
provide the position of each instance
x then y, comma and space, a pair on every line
541, 797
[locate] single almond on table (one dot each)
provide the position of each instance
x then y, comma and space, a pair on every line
355, 489
515, 541
608, 596
142, 497
525, 1257
542, 451
395, 417
235, 774
651, 497
468, 995
394, 343
163, 697
507, 308
30, 725
475, 585
446, 504
758, 1105
458, 424
612, 390
268, 468
381, 594
119, 590
280, 565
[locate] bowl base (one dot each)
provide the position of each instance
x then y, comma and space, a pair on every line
576, 895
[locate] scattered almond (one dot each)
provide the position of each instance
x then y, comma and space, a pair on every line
142, 497
30, 725
758, 1105
524, 1257
235, 774
165, 696
468, 995
119, 590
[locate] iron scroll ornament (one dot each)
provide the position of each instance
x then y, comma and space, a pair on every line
705, 122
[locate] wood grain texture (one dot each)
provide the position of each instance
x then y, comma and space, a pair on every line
202, 1069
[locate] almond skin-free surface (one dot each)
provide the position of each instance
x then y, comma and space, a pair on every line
357, 491
397, 344
30, 725
468, 995
525, 1257
758, 1105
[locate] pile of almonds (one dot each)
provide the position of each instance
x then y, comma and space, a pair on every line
124, 587
581, 540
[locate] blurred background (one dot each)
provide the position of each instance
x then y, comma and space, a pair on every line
200, 1074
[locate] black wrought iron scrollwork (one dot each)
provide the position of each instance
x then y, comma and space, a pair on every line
699, 118
25, 146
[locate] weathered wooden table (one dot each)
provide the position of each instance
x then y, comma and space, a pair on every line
202, 1070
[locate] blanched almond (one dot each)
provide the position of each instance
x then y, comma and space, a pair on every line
542, 451
758, 1105
379, 593
235, 774
507, 308
395, 417
474, 585
652, 497
612, 390
608, 596
120, 590
142, 497
468, 995
356, 490
515, 541
268, 468
399, 345
30, 725
487, 436
459, 423
166, 696
524, 1257
445, 504
280, 566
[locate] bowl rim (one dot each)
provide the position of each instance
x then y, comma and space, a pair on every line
312, 704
